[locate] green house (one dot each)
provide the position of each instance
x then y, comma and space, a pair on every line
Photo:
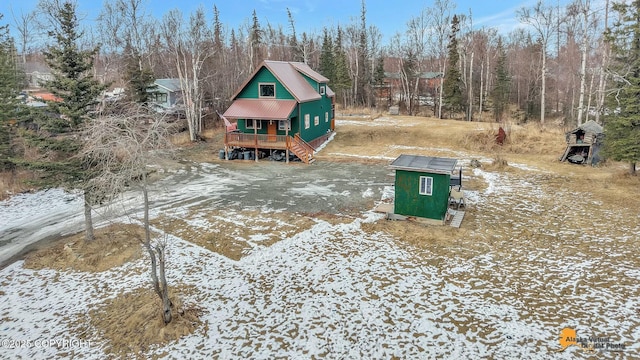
282, 106
422, 185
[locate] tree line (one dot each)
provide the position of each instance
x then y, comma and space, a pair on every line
557, 60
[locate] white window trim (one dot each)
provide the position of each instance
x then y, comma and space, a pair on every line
322, 90
428, 189
307, 121
326, 116
260, 90
284, 125
316, 120
253, 122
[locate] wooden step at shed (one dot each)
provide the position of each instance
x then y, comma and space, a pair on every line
457, 219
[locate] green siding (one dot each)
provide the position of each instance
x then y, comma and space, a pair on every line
315, 108
242, 127
251, 90
313, 83
409, 202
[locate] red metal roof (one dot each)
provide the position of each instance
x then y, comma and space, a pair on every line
261, 109
289, 75
330, 92
305, 69
46, 96
292, 80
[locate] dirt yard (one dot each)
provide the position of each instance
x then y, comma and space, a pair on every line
279, 260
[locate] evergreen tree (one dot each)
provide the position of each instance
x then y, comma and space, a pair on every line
622, 127
256, 39
217, 31
138, 77
362, 77
453, 85
327, 60
342, 79
501, 89
10, 85
57, 139
296, 50
379, 71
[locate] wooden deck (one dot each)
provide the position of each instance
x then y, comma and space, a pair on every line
294, 144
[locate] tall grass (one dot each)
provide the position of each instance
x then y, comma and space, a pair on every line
527, 139
15, 182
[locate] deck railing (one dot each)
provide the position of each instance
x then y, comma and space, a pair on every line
267, 141
295, 144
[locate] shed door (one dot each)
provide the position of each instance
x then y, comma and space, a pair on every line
272, 130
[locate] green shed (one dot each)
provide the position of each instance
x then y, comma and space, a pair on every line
422, 185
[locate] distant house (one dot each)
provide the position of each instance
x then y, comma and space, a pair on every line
44, 96
422, 185
282, 106
427, 86
166, 96
37, 73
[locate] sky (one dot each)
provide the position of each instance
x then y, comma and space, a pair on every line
312, 15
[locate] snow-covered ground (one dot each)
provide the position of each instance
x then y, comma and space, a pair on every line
531, 263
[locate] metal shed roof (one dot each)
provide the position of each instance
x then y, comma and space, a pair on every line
171, 85
589, 126
430, 164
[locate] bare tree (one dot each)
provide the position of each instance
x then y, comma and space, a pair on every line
122, 146
581, 9
25, 24
416, 48
604, 48
191, 46
441, 20
125, 25
543, 21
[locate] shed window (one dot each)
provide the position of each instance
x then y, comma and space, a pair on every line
326, 117
267, 90
251, 122
426, 185
322, 91
284, 125
316, 120
307, 121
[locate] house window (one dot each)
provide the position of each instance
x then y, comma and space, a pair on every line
267, 90
161, 97
326, 117
307, 121
426, 185
284, 125
316, 120
251, 122
322, 90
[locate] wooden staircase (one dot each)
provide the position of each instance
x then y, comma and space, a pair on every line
301, 149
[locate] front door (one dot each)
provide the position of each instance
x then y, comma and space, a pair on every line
272, 130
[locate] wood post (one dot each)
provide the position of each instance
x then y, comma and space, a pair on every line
287, 142
255, 138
